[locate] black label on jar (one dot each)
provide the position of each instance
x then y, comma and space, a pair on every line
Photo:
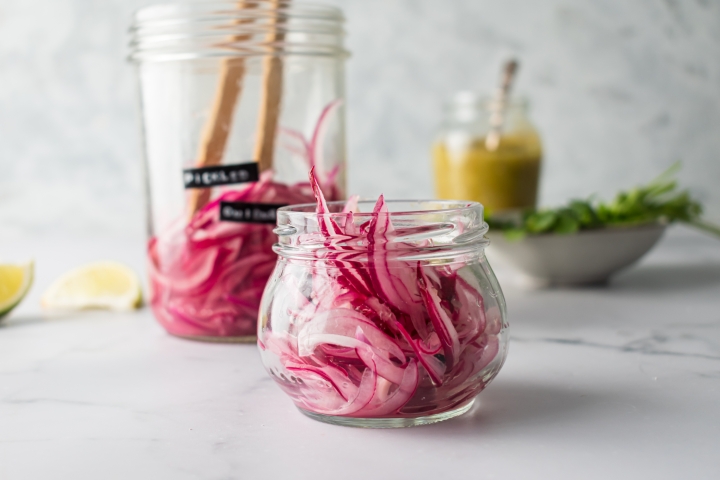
206, 177
243, 212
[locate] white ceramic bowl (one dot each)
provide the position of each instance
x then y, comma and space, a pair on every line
587, 257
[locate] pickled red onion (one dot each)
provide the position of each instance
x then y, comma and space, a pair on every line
207, 276
382, 337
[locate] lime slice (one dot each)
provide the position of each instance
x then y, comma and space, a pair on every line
15, 281
105, 285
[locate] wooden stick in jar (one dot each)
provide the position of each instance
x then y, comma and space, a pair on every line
217, 127
271, 94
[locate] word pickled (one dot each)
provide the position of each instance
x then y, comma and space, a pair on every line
221, 175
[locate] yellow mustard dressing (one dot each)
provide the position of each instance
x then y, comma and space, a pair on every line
502, 179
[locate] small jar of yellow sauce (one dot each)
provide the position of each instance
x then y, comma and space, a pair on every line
502, 175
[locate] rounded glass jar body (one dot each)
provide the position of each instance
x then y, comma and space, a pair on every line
239, 100
501, 176
395, 320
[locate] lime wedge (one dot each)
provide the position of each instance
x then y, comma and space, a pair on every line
101, 285
15, 281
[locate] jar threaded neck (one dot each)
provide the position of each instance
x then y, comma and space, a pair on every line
235, 29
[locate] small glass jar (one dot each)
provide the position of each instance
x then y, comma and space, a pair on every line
394, 320
501, 174
239, 100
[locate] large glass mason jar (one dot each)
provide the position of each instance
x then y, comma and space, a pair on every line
488, 151
385, 316
239, 101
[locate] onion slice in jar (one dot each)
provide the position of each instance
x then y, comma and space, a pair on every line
378, 336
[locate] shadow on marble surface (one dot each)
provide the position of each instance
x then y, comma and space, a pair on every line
25, 320
513, 406
668, 278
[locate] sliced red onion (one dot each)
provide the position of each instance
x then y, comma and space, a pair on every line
376, 336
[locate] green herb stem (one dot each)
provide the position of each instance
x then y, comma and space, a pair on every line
705, 226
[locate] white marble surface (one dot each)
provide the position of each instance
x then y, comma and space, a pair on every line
617, 382
619, 90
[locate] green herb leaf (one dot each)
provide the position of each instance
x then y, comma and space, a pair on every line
659, 200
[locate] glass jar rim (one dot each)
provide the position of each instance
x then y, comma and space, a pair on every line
423, 229
446, 207
160, 11
181, 31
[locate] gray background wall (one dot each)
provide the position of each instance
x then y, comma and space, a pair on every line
619, 91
